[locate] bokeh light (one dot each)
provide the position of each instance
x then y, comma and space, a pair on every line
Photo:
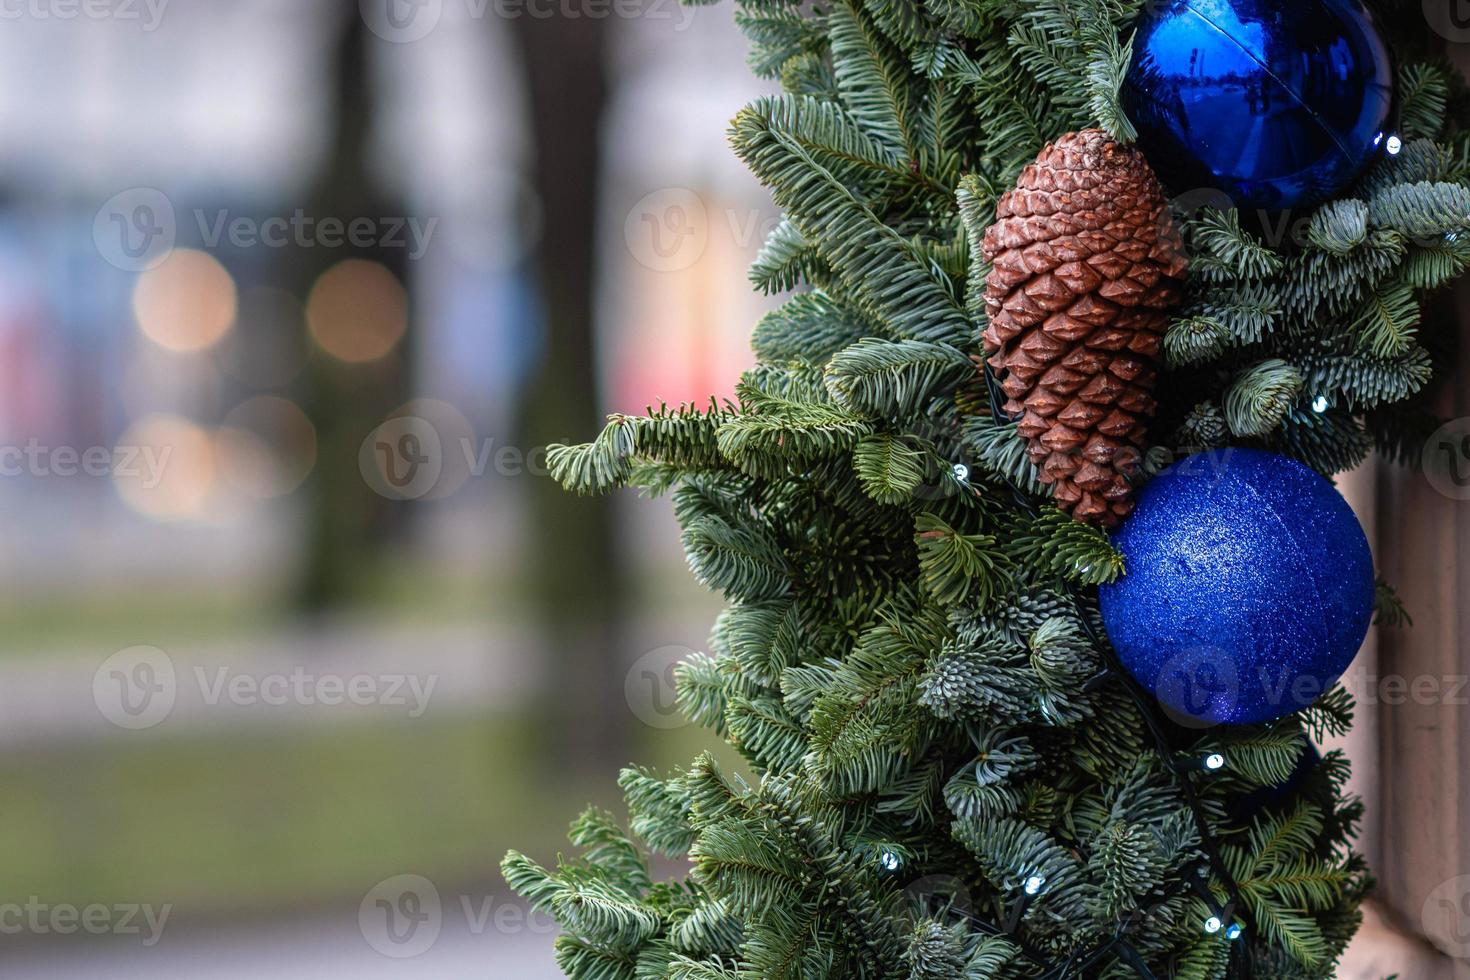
186, 303
167, 468
357, 311
266, 446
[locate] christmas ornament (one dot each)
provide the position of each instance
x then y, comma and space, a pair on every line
1247, 808
1248, 591
1279, 103
1085, 265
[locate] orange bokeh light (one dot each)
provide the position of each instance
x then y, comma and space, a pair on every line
357, 311
186, 303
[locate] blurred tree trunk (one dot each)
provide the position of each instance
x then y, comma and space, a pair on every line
573, 561
348, 523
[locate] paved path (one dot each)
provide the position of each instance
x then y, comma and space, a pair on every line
328, 675
297, 951
344, 672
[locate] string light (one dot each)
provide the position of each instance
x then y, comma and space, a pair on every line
889, 860
1212, 858
1030, 888
1213, 762
1319, 404
961, 472
1394, 145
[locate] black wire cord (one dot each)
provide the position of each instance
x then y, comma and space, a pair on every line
1118, 946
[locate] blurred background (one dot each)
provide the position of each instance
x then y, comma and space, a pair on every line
296, 637
292, 298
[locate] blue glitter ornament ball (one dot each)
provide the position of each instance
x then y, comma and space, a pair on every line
1278, 103
1249, 588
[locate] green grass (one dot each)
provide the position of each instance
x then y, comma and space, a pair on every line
243, 820
258, 821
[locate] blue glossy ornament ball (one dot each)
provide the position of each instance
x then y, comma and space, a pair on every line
1249, 588
1277, 103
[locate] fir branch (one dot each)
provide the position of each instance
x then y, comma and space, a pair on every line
892, 380
889, 467
958, 566
809, 327
1423, 91
1423, 210
795, 146
1259, 398
872, 79
1216, 234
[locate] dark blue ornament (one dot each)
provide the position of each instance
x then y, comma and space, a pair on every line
1278, 103
1249, 588
1245, 809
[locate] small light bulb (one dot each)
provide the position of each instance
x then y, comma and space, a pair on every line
1235, 931
1213, 924
961, 472
1319, 404
889, 860
1214, 761
1395, 145
1033, 884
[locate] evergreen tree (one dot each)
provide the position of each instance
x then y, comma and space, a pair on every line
948, 776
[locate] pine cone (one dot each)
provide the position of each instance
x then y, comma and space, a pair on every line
1086, 265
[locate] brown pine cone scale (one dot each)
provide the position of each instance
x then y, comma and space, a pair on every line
1085, 266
